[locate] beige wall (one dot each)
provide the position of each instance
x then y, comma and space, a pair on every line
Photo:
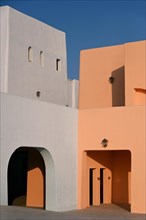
118, 126
135, 77
126, 63
97, 65
123, 126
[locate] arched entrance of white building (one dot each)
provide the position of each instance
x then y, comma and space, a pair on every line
29, 169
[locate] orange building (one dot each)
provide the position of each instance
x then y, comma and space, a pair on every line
112, 127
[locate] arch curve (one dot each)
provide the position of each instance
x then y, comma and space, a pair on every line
50, 196
31, 178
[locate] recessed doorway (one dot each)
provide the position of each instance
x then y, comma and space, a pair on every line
109, 178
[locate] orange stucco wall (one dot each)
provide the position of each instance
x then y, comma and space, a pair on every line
35, 180
96, 66
135, 68
122, 123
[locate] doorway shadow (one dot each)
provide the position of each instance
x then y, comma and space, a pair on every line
125, 206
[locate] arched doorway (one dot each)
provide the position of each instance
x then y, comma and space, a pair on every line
29, 169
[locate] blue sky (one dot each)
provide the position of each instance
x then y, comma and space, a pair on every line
88, 23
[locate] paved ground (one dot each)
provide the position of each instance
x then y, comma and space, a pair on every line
104, 212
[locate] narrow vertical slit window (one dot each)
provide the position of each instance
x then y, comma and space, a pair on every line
30, 54
41, 58
58, 65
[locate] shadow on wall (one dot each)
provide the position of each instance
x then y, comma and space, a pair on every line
118, 87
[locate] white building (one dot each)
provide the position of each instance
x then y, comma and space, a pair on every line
38, 131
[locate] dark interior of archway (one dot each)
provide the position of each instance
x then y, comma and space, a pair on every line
17, 177
21, 161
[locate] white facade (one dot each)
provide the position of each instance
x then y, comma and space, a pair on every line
33, 59
72, 93
44, 69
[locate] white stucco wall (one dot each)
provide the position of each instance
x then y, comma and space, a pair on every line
28, 121
4, 43
21, 77
32, 123
72, 93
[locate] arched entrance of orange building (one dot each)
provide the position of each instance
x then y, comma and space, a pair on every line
107, 178
26, 178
